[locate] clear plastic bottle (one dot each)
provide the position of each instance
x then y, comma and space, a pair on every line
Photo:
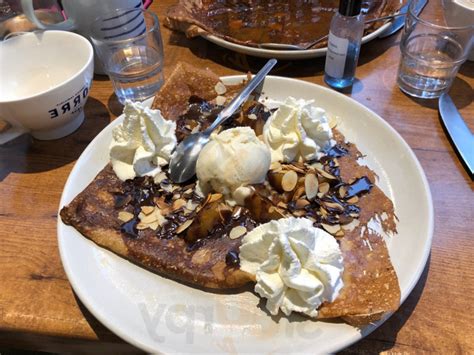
345, 35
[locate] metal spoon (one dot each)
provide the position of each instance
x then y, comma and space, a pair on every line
283, 46
183, 161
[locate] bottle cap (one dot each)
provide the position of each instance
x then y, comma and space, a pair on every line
350, 7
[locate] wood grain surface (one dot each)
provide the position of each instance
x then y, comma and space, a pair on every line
38, 309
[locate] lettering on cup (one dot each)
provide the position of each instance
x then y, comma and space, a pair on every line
72, 104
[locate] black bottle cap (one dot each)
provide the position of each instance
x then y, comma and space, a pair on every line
350, 7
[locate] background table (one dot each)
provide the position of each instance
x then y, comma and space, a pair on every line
38, 309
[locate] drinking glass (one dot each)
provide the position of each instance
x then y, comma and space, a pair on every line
432, 52
129, 45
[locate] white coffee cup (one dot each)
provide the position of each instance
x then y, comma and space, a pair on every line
80, 16
46, 77
460, 13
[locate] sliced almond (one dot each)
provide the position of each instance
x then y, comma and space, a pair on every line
160, 177
220, 100
289, 180
154, 217
220, 88
342, 191
159, 217
282, 205
323, 188
191, 206
340, 233
277, 212
184, 226
147, 219
125, 216
148, 209
333, 205
300, 191
237, 232
353, 200
352, 225
296, 168
301, 203
331, 229
325, 174
141, 226
175, 197
299, 213
323, 211
311, 186
162, 205
275, 166
317, 165
336, 162
299, 163
153, 225
167, 187
252, 116
332, 122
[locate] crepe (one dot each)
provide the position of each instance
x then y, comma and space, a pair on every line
192, 243
254, 22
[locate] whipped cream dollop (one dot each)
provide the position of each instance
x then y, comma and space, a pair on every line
232, 160
142, 143
298, 129
297, 266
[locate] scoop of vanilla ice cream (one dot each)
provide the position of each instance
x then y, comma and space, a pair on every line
142, 143
297, 129
232, 160
297, 266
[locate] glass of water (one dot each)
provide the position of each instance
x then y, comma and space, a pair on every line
432, 51
129, 45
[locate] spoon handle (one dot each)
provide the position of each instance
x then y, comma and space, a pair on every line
240, 98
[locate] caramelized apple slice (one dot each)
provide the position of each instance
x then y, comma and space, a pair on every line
261, 209
275, 178
211, 214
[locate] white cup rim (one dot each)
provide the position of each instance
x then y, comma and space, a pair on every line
411, 12
70, 79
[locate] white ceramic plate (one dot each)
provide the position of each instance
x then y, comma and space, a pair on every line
284, 54
160, 315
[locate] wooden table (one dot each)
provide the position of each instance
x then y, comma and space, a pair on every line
38, 309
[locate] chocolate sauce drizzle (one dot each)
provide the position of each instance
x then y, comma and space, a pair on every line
142, 191
137, 193
202, 113
358, 187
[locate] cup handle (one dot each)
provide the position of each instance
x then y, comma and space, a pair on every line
11, 133
29, 11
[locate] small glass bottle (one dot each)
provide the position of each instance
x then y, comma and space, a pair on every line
345, 35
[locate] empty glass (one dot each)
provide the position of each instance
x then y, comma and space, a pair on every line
130, 48
432, 52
